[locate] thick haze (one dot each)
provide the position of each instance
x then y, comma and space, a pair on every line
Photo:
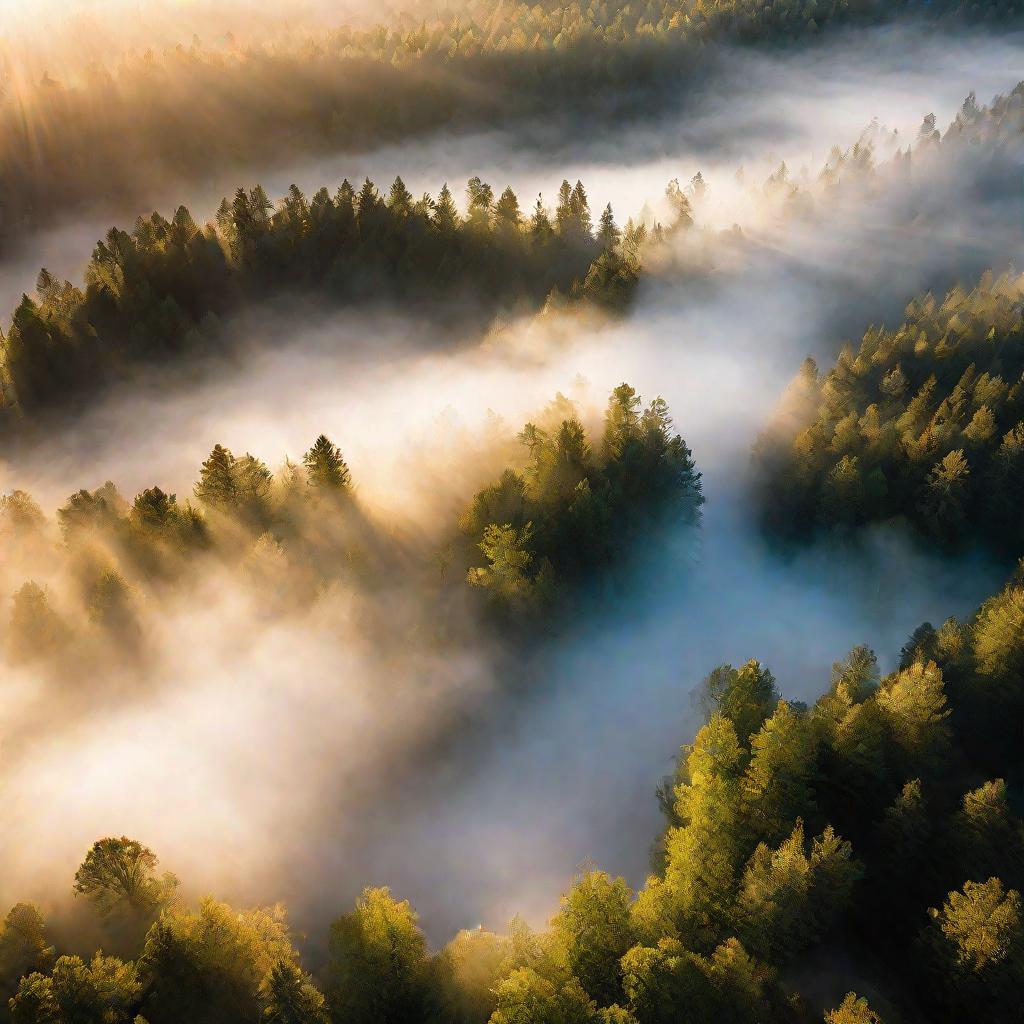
754, 112
286, 759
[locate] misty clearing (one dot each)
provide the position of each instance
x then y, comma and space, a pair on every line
511, 514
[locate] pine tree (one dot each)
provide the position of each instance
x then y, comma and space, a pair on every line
400, 198
563, 210
345, 200
506, 212
621, 421
608, 233
446, 216
368, 206
914, 701
297, 208
291, 998
216, 487
325, 468
582, 223
541, 230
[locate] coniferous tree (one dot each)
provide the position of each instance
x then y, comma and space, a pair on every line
291, 998
608, 233
446, 216
217, 487
325, 468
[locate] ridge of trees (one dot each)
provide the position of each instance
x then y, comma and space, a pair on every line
924, 423
524, 549
165, 288
576, 507
480, 63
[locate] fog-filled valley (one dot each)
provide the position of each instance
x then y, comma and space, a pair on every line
366, 542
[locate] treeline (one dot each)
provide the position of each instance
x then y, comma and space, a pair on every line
526, 548
164, 289
789, 829
986, 135
150, 120
573, 513
924, 423
998, 123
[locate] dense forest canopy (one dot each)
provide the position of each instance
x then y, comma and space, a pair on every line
163, 290
922, 423
787, 827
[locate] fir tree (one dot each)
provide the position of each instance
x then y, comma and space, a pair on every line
325, 468
216, 487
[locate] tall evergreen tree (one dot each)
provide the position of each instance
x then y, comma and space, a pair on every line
325, 468
217, 487
291, 998
446, 216
608, 233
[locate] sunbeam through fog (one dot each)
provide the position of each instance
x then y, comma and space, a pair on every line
385, 535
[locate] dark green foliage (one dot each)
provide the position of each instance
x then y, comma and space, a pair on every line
924, 423
572, 513
325, 468
163, 289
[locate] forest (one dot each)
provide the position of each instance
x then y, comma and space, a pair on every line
426, 602
787, 827
922, 423
163, 290
77, 131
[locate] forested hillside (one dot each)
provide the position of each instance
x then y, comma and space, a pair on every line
921, 423
68, 140
163, 290
787, 827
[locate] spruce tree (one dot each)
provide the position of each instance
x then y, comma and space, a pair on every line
564, 210
400, 198
291, 998
506, 212
325, 468
540, 223
608, 233
446, 216
217, 487
582, 223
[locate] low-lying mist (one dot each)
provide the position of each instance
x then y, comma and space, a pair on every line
751, 110
302, 756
